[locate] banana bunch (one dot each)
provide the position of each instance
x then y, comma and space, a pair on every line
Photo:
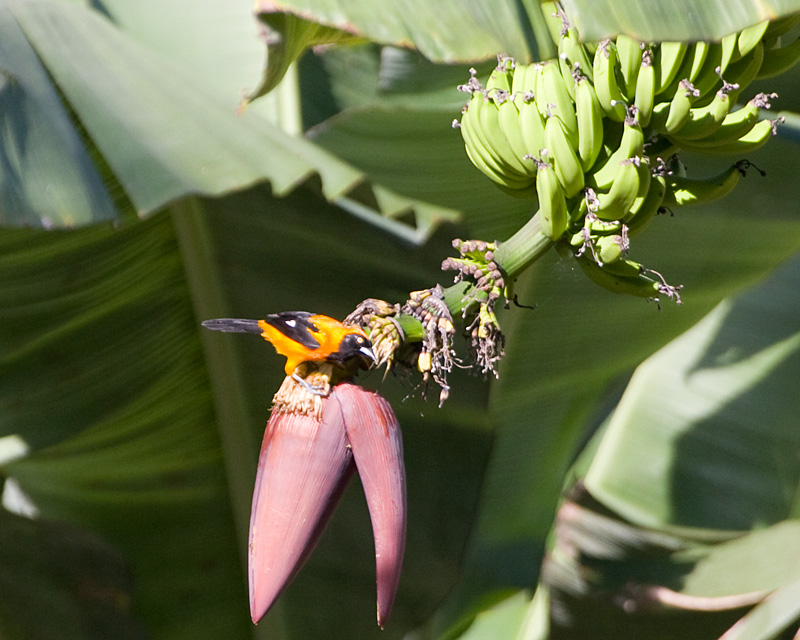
587, 133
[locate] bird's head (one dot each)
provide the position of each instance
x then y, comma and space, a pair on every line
354, 347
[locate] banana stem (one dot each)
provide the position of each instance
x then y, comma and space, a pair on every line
461, 295
522, 249
457, 298
513, 256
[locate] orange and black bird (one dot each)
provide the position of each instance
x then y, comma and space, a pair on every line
302, 336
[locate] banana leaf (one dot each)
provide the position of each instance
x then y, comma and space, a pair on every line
469, 31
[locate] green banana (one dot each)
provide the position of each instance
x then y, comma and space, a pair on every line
553, 216
631, 145
748, 38
669, 59
641, 217
477, 157
629, 52
480, 156
682, 190
742, 72
719, 57
680, 106
590, 122
531, 126
698, 58
563, 156
728, 50
501, 75
693, 63
615, 204
553, 99
475, 152
644, 101
606, 83
520, 83
658, 120
756, 138
567, 76
509, 121
554, 18
636, 283
778, 60
704, 121
671, 117
491, 136
628, 268
708, 79
572, 51
572, 58
579, 238
610, 249
738, 123
595, 227
490, 124
578, 212
645, 177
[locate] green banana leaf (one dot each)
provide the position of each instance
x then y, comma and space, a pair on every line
472, 30
160, 126
121, 420
649, 20
81, 582
707, 493
442, 32
46, 176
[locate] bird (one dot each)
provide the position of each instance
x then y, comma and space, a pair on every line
302, 336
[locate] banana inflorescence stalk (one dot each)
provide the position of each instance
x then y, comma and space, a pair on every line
594, 134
